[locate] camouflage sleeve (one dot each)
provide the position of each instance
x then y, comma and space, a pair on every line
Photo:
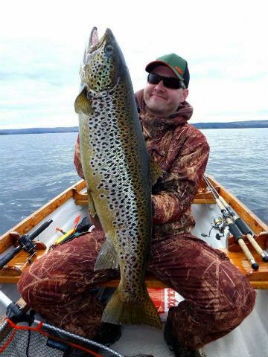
175, 192
77, 159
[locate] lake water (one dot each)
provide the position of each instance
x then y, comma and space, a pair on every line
37, 167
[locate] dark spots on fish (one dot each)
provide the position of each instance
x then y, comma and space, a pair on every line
119, 172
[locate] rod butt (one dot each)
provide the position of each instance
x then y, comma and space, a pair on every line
255, 266
265, 258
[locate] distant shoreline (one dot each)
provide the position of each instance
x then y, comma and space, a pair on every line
230, 125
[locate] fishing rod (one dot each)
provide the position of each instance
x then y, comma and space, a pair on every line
240, 224
237, 227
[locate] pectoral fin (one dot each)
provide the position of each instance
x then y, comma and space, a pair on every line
91, 205
82, 104
107, 258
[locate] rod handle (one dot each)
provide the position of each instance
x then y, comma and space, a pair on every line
248, 254
40, 229
242, 226
246, 230
258, 248
234, 230
9, 256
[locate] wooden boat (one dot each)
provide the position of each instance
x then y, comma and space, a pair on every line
247, 340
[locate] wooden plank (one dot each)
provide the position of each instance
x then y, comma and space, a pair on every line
206, 201
258, 279
259, 284
81, 202
9, 279
197, 201
150, 282
204, 197
203, 201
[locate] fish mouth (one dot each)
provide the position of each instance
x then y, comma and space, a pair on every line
94, 41
107, 62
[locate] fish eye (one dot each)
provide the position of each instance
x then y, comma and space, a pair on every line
108, 50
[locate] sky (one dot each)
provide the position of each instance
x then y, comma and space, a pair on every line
42, 44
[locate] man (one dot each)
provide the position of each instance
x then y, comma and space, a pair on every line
217, 296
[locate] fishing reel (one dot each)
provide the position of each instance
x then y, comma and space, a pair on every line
26, 243
219, 225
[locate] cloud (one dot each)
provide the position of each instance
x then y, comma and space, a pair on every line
42, 44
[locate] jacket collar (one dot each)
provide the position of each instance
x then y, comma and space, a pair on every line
155, 124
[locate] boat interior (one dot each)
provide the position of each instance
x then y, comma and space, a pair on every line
247, 340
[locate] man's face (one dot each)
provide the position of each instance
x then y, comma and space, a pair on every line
161, 100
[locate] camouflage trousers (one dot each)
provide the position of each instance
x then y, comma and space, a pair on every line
217, 296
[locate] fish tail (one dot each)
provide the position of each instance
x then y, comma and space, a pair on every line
120, 311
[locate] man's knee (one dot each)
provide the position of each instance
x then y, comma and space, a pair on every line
244, 301
236, 303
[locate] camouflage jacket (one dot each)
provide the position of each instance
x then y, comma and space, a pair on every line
182, 152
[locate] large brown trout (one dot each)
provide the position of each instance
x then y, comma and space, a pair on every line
116, 167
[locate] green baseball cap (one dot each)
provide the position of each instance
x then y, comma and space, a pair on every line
176, 63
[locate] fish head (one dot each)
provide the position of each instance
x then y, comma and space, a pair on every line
103, 62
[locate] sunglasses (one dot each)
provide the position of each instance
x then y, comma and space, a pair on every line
169, 82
